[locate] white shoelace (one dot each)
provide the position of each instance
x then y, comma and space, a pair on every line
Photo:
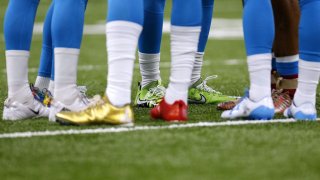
204, 87
157, 91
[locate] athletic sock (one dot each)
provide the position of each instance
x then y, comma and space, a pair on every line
197, 67
51, 87
122, 40
309, 73
66, 62
17, 75
259, 72
42, 82
149, 67
287, 66
184, 41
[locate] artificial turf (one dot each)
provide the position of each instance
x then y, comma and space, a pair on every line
272, 151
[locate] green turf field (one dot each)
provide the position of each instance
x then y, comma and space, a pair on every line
272, 151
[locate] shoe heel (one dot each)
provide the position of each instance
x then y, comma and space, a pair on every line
262, 113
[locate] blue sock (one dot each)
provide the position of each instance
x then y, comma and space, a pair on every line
150, 38
309, 38
258, 30
288, 69
132, 11
181, 15
47, 49
207, 11
18, 24
274, 64
67, 23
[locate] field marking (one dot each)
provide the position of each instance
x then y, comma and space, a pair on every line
140, 128
221, 28
206, 62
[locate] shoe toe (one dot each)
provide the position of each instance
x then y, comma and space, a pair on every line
155, 112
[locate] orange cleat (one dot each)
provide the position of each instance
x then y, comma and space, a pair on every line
177, 112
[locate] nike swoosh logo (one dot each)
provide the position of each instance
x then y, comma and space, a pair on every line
141, 101
35, 112
202, 100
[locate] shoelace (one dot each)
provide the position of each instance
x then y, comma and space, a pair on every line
94, 101
157, 91
204, 87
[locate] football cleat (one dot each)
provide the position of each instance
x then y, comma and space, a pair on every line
281, 100
80, 103
248, 109
177, 112
14, 110
44, 96
150, 95
305, 112
227, 105
101, 113
282, 95
201, 93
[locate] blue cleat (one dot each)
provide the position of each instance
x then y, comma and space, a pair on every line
305, 112
248, 109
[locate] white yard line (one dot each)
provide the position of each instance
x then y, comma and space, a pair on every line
140, 128
207, 62
221, 29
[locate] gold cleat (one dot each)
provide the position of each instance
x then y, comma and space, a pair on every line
102, 113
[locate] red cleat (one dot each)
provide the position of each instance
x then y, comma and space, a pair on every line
171, 113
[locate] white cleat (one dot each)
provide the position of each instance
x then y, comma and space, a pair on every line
14, 110
305, 112
79, 104
248, 109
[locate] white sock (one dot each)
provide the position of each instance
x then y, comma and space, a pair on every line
51, 87
42, 82
149, 68
260, 79
66, 63
287, 59
184, 41
122, 40
197, 67
309, 73
17, 75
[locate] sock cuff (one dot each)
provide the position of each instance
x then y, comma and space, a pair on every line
149, 58
199, 55
259, 62
288, 59
185, 29
126, 26
257, 57
17, 53
71, 51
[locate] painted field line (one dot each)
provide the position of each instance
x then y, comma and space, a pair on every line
167, 64
139, 128
221, 28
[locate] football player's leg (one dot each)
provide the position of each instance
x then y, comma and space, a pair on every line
149, 55
199, 91
259, 34
123, 31
67, 29
18, 27
285, 47
185, 31
207, 12
303, 106
44, 72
